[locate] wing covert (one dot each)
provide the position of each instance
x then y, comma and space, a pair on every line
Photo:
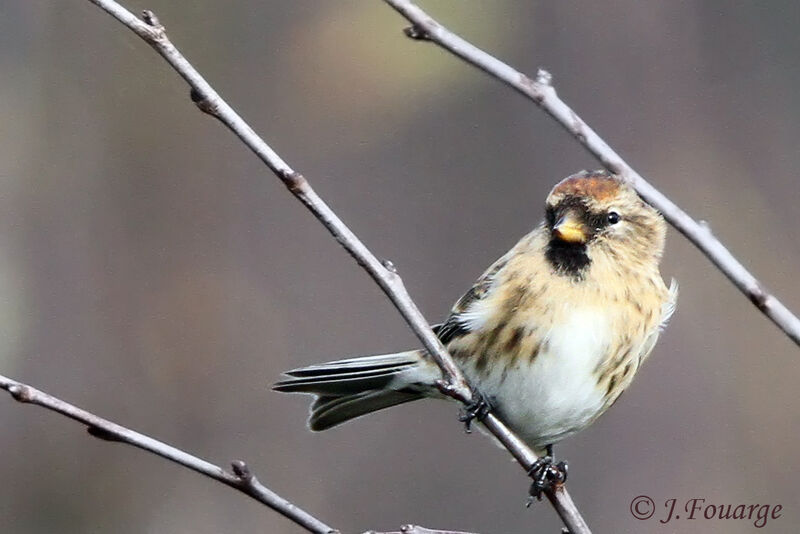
455, 326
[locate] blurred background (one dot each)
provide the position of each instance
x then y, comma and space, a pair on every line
154, 272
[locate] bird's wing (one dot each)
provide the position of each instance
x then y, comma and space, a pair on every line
669, 306
458, 323
667, 309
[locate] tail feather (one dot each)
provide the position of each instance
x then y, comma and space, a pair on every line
339, 384
337, 410
364, 363
346, 389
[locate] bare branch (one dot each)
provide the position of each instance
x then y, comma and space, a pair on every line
541, 91
453, 384
240, 479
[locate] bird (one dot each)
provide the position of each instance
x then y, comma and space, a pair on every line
550, 335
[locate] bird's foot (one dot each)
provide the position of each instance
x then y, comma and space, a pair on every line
546, 474
478, 409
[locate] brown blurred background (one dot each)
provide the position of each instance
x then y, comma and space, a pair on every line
153, 271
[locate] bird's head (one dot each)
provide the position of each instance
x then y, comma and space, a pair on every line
595, 215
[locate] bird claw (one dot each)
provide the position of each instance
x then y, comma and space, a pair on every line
478, 409
545, 474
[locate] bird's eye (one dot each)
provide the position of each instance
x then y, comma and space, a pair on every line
613, 217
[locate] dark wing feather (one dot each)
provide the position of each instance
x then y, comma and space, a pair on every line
453, 327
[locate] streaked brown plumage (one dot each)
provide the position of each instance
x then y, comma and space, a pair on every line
551, 334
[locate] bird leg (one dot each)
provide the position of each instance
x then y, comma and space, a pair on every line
546, 473
478, 409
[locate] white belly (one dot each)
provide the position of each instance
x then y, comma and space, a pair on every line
556, 394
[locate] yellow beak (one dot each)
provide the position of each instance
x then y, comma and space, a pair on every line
569, 230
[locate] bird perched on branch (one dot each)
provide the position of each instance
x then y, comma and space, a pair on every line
550, 335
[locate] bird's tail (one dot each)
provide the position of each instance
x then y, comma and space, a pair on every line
346, 389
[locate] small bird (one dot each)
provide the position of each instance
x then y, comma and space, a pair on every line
550, 335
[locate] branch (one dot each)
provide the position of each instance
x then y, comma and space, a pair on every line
240, 478
383, 273
541, 91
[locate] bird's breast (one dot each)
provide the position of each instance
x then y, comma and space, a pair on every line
553, 392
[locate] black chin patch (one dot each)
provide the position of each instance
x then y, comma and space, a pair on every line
567, 258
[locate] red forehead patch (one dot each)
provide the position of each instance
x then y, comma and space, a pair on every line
598, 185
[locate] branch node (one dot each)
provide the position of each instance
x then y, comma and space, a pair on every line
241, 470
389, 266
21, 393
759, 297
294, 181
704, 225
543, 77
447, 387
203, 103
151, 20
444, 386
533, 88
102, 433
416, 32
577, 127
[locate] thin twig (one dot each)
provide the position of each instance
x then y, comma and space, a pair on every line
240, 478
542, 92
383, 273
